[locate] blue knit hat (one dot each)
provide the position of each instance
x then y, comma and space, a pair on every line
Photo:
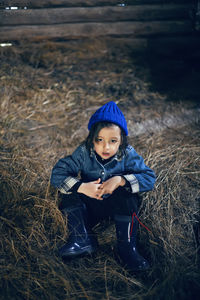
109, 112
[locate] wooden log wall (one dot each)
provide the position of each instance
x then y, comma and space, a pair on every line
68, 19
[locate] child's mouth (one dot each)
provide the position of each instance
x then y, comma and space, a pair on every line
105, 154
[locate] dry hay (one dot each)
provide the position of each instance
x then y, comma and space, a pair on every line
47, 95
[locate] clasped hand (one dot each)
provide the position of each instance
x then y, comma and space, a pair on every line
95, 189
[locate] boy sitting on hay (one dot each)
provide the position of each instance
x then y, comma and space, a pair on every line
111, 176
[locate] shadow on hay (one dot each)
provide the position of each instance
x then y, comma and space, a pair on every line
172, 67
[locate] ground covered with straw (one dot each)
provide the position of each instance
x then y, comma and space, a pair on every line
48, 92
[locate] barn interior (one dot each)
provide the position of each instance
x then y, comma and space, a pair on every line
60, 61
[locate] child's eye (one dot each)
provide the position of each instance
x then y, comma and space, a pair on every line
113, 141
98, 140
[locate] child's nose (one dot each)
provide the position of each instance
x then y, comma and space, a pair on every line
106, 145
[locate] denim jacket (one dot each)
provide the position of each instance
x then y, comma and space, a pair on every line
82, 166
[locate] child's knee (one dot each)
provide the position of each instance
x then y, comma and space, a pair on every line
69, 200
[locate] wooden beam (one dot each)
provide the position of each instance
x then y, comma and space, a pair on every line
90, 30
93, 14
68, 3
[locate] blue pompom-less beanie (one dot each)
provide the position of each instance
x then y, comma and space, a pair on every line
109, 112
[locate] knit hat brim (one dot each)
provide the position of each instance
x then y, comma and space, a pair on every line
109, 112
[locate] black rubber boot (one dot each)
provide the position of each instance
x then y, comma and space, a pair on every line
126, 230
81, 239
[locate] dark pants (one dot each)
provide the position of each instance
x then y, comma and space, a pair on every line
120, 202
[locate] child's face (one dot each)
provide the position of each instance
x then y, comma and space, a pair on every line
107, 143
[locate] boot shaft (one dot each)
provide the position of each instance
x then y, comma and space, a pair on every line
76, 221
126, 229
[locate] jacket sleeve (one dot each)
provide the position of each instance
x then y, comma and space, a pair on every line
140, 177
65, 173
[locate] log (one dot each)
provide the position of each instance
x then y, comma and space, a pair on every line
68, 3
93, 14
77, 30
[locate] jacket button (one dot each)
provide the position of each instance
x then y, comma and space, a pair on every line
102, 173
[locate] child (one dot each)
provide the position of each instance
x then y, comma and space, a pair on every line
102, 179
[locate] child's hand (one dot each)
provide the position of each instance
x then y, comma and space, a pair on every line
110, 185
91, 189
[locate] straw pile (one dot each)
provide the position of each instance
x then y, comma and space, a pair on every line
48, 92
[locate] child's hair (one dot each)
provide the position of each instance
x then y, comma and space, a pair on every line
94, 131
